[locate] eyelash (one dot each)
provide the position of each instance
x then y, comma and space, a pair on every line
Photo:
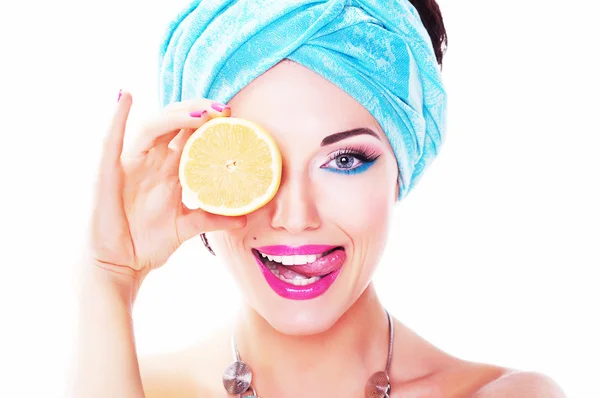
365, 155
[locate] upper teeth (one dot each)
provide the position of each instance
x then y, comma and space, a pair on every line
293, 260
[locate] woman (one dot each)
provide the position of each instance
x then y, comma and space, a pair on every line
352, 94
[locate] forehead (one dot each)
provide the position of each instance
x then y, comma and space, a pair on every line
293, 99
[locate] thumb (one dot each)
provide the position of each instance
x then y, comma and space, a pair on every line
194, 222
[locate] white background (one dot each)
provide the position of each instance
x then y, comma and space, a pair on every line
494, 257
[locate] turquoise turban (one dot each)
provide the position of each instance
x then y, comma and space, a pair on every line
378, 51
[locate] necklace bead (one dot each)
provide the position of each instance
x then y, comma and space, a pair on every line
237, 377
378, 385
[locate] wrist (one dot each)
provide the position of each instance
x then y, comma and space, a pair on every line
123, 282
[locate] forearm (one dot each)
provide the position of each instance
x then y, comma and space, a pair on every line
106, 363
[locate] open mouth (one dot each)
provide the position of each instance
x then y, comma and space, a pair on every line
302, 269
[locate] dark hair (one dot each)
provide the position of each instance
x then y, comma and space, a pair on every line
430, 14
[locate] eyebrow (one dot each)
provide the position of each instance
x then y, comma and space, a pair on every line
333, 138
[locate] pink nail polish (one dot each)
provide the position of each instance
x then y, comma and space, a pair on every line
219, 107
198, 113
119, 97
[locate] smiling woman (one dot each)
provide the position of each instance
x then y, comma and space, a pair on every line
351, 93
326, 150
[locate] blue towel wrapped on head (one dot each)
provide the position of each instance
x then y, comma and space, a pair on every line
378, 51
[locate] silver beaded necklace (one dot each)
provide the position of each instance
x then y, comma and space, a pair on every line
237, 377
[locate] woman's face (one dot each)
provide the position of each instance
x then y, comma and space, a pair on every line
337, 191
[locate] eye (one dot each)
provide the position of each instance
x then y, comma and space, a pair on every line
345, 161
351, 160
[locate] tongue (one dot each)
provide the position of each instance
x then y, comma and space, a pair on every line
322, 266
288, 273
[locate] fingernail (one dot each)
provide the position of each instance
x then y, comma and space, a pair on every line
119, 97
198, 113
219, 107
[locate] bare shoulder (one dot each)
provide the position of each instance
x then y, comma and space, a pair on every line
521, 384
479, 380
187, 373
435, 373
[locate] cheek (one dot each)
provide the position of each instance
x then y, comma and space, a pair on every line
359, 203
227, 245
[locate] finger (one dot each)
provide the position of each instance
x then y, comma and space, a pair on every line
113, 141
108, 218
163, 128
166, 125
194, 222
175, 149
110, 173
199, 103
178, 142
161, 144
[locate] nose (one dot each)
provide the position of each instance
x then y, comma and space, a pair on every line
293, 207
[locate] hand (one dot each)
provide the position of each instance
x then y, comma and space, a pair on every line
138, 218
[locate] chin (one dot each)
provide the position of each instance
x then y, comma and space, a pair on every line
300, 318
303, 317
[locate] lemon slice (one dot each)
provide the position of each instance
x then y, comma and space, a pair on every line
229, 166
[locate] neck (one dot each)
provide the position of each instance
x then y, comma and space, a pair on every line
320, 364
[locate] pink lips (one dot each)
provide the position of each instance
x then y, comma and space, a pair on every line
305, 292
294, 250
